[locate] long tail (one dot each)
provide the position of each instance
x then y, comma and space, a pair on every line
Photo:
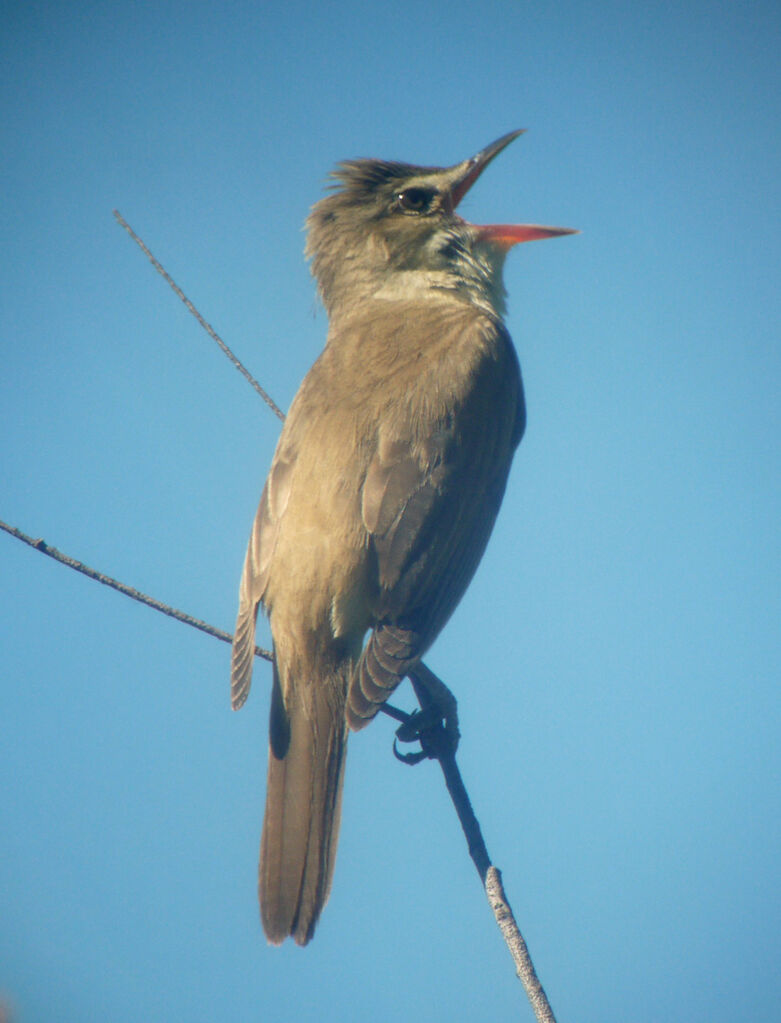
308, 743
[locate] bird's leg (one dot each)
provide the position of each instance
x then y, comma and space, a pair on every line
435, 725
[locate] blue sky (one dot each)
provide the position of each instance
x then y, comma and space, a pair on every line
616, 658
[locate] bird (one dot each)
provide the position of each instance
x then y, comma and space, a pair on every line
382, 492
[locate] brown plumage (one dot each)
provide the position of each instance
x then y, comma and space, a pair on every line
382, 494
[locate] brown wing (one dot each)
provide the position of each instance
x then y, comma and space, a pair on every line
430, 509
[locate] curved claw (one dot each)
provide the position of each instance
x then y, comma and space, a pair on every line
410, 759
426, 727
415, 729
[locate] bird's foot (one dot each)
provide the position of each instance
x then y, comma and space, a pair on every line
434, 726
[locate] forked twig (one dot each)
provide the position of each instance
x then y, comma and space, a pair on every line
437, 741
437, 744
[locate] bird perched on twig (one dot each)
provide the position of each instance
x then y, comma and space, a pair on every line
383, 490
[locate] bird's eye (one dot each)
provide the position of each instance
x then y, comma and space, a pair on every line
415, 200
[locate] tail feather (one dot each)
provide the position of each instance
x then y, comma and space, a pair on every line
303, 810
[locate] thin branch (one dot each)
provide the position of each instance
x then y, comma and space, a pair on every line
128, 591
206, 326
513, 938
437, 743
437, 740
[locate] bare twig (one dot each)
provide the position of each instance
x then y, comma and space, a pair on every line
206, 326
129, 591
513, 938
438, 741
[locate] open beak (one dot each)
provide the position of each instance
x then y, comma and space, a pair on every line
463, 176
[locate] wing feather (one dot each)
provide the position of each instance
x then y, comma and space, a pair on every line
260, 549
430, 509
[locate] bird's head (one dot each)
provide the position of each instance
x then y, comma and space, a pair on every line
389, 229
